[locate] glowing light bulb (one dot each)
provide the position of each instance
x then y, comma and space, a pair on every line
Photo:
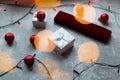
20, 24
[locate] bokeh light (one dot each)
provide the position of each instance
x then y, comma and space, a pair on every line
88, 52
6, 62
60, 75
84, 14
46, 4
42, 43
51, 64
55, 72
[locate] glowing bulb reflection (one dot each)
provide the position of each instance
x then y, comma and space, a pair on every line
6, 62
42, 43
84, 14
47, 4
88, 52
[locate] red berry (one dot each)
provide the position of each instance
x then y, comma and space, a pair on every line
29, 61
9, 38
41, 16
32, 39
104, 18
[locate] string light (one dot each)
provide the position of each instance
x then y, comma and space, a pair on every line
17, 21
17, 66
20, 24
109, 5
12, 68
74, 3
32, 13
90, 66
62, 5
56, 10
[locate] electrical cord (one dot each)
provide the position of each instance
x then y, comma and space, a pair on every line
62, 5
92, 65
17, 66
12, 68
17, 21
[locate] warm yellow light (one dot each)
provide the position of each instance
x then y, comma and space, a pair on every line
84, 14
88, 52
74, 3
50, 64
32, 13
47, 4
6, 62
59, 74
56, 10
42, 43
20, 24
54, 69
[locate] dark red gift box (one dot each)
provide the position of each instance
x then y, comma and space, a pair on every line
92, 30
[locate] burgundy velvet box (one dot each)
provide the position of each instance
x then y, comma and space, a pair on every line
91, 30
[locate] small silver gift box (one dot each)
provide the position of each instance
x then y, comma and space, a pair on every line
63, 40
36, 23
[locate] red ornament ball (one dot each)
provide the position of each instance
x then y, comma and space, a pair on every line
32, 39
41, 16
29, 61
104, 18
9, 38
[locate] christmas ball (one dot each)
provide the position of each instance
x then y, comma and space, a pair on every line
104, 18
32, 39
9, 38
29, 61
41, 16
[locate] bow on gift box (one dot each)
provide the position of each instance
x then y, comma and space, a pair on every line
61, 37
60, 40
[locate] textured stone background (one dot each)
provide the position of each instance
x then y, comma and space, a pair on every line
58, 65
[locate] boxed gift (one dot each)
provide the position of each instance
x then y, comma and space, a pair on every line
37, 23
63, 40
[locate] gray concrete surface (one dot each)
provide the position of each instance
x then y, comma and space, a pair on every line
109, 53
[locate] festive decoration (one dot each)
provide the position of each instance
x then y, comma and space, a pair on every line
32, 39
20, 24
118, 66
84, 14
37, 3
63, 40
36, 23
41, 15
18, 21
9, 38
92, 30
29, 61
104, 18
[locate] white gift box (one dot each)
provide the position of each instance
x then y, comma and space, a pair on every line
37, 23
63, 40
